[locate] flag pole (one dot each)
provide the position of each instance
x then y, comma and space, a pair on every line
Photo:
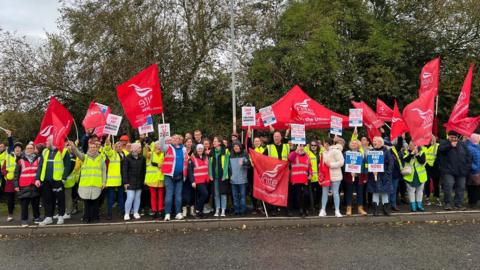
265, 209
163, 118
388, 126
3, 129
76, 128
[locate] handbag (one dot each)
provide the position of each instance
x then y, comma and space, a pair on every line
474, 180
406, 170
324, 174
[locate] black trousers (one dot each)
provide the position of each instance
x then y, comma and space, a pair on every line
10, 202
53, 193
317, 195
91, 210
301, 196
433, 175
25, 202
473, 193
202, 196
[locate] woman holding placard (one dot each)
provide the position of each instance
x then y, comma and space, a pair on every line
417, 176
353, 180
380, 168
334, 160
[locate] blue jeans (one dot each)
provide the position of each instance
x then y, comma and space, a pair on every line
133, 198
239, 198
336, 196
173, 188
459, 182
349, 192
393, 195
111, 199
220, 199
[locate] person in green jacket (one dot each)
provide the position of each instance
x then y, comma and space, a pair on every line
218, 172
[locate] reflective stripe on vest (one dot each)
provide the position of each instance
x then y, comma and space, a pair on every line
168, 166
272, 151
114, 173
10, 166
28, 173
299, 170
430, 154
200, 170
91, 172
57, 164
154, 176
418, 168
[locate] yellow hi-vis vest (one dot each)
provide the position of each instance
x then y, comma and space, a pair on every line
10, 164
91, 172
74, 176
394, 150
114, 173
314, 162
58, 166
272, 151
260, 149
154, 176
430, 153
416, 167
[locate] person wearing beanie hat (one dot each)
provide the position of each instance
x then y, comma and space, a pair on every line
455, 163
239, 164
473, 181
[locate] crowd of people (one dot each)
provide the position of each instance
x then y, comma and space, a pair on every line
193, 175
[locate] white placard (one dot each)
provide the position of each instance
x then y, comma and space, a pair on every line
164, 130
248, 116
336, 125
355, 118
147, 127
298, 134
112, 124
268, 116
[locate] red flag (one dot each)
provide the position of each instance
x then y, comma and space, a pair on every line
270, 182
106, 111
398, 124
94, 117
429, 77
141, 96
384, 112
56, 122
465, 126
418, 116
370, 119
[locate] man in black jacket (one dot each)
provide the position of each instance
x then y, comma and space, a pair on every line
455, 163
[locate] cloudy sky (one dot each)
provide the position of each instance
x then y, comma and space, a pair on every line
30, 18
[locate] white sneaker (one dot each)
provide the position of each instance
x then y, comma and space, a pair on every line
192, 211
179, 216
9, 219
60, 220
67, 216
217, 213
136, 216
337, 213
46, 221
167, 217
223, 213
184, 211
126, 217
55, 217
323, 213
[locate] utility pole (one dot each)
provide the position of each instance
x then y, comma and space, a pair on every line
232, 48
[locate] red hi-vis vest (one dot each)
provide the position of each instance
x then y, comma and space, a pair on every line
28, 172
299, 172
200, 170
168, 166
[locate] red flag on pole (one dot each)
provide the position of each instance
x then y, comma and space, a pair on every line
398, 124
429, 77
94, 117
141, 96
57, 122
384, 112
270, 182
465, 126
418, 116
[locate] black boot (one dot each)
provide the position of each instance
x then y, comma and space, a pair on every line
386, 209
375, 209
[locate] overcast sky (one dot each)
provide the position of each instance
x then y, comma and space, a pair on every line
30, 18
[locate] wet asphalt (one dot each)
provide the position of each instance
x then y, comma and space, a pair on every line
451, 245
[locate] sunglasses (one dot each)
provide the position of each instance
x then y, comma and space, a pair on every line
312, 145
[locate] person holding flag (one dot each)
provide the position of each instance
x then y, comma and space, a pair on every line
114, 177
415, 158
53, 170
433, 174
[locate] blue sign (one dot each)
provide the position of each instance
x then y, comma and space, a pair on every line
376, 161
353, 162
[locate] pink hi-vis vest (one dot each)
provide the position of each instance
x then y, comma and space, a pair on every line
299, 172
169, 161
28, 172
200, 170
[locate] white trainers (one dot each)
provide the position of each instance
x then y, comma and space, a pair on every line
323, 213
337, 213
55, 217
60, 220
192, 211
136, 216
46, 221
126, 217
179, 216
9, 219
67, 216
167, 217
217, 212
223, 213
184, 211
207, 209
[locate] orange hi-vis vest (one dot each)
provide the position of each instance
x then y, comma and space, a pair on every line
299, 172
28, 172
168, 166
200, 170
